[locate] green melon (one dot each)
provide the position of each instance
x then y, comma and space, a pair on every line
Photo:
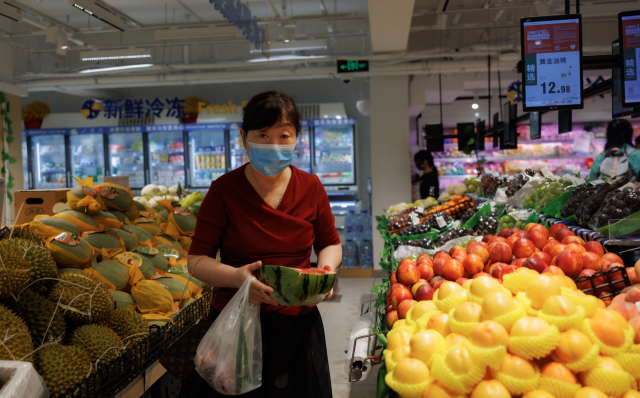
102, 240
147, 268
60, 224
140, 206
168, 249
181, 270
129, 240
141, 234
113, 271
186, 222
118, 214
82, 219
150, 226
75, 256
122, 201
122, 299
162, 212
176, 288
158, 261
167, 239
105, 214
294, 287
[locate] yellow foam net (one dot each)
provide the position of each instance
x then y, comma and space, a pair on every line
589, 361
630, 362
121, 191
507, 320
450, 302
424, 319
517, 281
148, 224
65, 257
460, 383
152, 298
42, 230
112, 233
172, 220
185, 241
456, 326
589, 303
107, 222
535, 347
564, 323
489, 356
91, 202
558, 388
515, 385
604, 348
192, 288
611, 382
408, 328
404, 389
522, 298
82, 226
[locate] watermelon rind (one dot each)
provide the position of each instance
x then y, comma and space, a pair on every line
294, 288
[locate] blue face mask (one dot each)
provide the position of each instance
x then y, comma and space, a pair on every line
270, 160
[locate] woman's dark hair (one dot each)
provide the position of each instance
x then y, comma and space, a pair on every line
619, 132
268, 109
423, 155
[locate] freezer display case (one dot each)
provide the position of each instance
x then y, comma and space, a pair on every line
302, 154
87, 156
207, 156
49, 160
237, 152
334, 151
166, 158
126, 157
25, 161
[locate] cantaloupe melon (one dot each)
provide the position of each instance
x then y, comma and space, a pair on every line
102, 240
159, 261
60, 224
122, 299
186, 223
118, 214
129, 240
150, 226
141, 234
147, 268
114, 272
82, 221
106, 219
77, 256
115, 196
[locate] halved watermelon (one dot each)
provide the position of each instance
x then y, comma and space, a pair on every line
294, 286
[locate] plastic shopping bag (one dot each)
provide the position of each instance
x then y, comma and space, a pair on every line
229, 357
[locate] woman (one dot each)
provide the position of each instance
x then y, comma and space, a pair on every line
269, 212
429, 184
611, 162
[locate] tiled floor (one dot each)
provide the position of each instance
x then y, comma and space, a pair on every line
339, 315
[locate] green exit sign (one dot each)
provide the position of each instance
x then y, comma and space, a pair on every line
352, 65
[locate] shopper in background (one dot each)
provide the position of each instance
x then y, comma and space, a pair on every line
429, 184
268, 212
620, 158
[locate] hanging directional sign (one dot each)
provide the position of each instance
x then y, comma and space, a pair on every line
352, 65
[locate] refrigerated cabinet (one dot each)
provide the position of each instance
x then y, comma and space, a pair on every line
87, 157
126, 157
49, 161
334, 158
25, 162
302, 154
237, 152
166, 158
207, 157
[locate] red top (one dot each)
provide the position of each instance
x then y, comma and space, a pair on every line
235, 219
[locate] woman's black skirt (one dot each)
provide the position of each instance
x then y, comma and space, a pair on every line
294, 355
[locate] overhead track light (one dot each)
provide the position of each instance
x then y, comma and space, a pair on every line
286, 35
63, 44
9, 11
104, 12
299, 45
106, 55
116, 68
52, 35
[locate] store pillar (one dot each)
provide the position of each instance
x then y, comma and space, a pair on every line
390, 157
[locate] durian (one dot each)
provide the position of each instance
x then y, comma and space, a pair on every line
42, 265
21, 233
130, 326
62, 367
14, 273
15, 335
99, 342
37, 312
88, 303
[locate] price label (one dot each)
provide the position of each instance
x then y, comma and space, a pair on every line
551, 67
68, 239
146, 250
130, 259
89, 191
415, 220
183, 211
169, 252
179, 269
108, 192
148, 215
441, 222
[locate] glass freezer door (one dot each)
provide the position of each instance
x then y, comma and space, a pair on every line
49, 161
126, 153
236, 150
302, 155
206, 157
334, 155
25, 163
167, 158
87, 157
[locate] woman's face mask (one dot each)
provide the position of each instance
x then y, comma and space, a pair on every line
270, 159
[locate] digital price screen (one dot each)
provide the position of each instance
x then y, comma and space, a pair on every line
629, 25
552, 62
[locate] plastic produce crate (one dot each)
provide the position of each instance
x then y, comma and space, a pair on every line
616, 279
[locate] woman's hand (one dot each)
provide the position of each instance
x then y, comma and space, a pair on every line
328, 296
258, 292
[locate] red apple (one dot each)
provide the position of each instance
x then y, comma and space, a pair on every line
496, 239
550, 244
454, 248
424, 259
633, 277
400, 295
406, 260
459, 256
435, 280
496, 269
467, 275
487, 238
439, 254
511, 240
594, 247
553, 260
424, 293
555, 227
439, 283
535, 263
500, 251
473, 263
572, 239
426, 271
632, 295
523, 248
394, 278
479, 251
408, 273
393, 288
635, 324
404, 307
504, 233
518, 262
461, 281
530, 226
614, 257
587, 284
479, 274
542, 256
438, 265
552, 269
392, 317
557, 249
423, 256
575, 247
390, 308
507, 269
453, 270
521, 235
569, 262
562, 233
416, 285
591, 261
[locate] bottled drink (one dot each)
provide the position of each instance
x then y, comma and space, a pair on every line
366, 225
349, 254
366, 254
349, 224
359, 227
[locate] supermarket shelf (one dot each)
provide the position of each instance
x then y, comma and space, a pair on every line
127, 151
213, 169
169, 151
498, 158
53, 171
334, 146
161, 164
239, 151
208, 153
534, 142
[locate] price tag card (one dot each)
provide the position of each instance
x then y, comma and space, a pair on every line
629, 25
552, 62
415, 220
441, 222
146, 250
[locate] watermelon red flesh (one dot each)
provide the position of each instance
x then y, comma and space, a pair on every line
294, 287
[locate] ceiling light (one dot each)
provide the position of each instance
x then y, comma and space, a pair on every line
10, 12
114, 68
338, 117
475, 106
63, 44
288, 58
104, 12
299, 45
477, 114
123, 53
52, 35
286, 35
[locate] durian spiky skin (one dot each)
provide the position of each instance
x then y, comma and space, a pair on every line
36, 311
42, 265
97, 341
101, 303
22, 233
14, 273
18, 343
128, 323
62, 367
